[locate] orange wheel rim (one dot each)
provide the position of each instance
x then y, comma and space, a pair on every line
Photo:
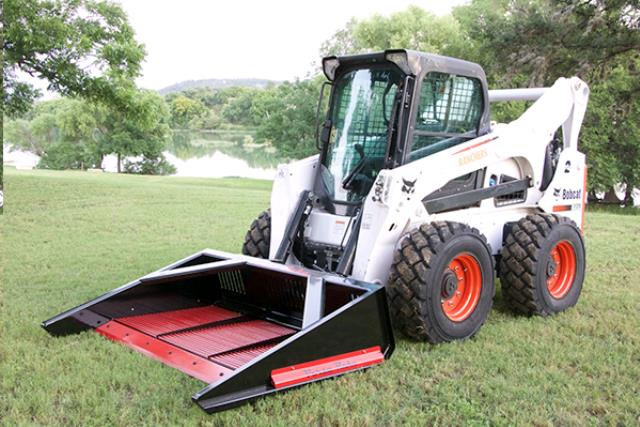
461, 287
561, 269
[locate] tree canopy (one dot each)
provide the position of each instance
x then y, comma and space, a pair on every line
414, 28
286, 116
81, 47
186, 112
144, 130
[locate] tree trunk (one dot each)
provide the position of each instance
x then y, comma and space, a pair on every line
118, 162
610, 197
628, 196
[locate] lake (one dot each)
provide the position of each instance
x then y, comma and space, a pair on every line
208, 154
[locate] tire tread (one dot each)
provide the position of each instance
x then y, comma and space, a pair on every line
519, 261
411, 264
258, 237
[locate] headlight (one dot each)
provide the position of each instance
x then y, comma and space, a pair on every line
329, 66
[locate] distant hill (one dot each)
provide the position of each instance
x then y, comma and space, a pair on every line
216, 84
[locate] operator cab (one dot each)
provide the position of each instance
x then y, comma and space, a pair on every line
385, 109
390, 108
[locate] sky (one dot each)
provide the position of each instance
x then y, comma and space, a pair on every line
277, 39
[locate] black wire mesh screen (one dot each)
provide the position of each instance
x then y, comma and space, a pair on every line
363, 113
450, 105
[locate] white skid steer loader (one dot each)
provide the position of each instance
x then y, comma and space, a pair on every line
415, 189
415, 202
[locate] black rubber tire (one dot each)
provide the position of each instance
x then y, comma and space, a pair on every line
258, 237
415, 289
523, 264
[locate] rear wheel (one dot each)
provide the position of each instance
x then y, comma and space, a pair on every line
442, 282
258, 237
542, 265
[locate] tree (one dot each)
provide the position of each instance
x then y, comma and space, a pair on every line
414, 28
187, 112
237, 107
546, 39
535, 42
286, 116
19, 134
142, 131
81, 47
62, 132
611, 137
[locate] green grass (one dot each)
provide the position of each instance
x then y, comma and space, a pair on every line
68, 236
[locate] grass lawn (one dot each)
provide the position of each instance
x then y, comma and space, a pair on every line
66, 237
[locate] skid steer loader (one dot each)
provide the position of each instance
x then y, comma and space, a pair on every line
415, 203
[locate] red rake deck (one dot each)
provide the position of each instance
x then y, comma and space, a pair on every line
235, 359
171, 321
222, 339
204, 342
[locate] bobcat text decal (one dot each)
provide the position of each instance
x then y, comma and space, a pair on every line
571, 194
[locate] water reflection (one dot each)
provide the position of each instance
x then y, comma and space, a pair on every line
215, 155
189, 146
217, 165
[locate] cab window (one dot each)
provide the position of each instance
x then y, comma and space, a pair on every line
449, 113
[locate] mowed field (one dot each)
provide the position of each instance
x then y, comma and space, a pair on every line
66, 237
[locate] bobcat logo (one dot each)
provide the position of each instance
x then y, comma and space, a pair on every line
556, 192
408, 186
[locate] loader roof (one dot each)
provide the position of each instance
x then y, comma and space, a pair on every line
410, 61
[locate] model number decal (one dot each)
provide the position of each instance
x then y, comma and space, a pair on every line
464, 160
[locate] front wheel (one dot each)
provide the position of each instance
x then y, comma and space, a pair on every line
258, 237
442, 282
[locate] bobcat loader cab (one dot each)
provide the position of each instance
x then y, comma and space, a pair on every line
414, 203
